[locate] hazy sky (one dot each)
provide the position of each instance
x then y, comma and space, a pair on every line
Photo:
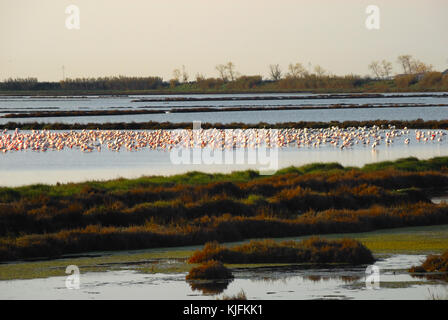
153, 37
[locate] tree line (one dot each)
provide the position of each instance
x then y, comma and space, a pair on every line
296, 76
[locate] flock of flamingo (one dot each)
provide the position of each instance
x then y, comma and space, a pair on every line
116, 140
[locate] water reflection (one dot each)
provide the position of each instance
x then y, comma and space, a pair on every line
313, 273
209, 287
343, 278
438, 276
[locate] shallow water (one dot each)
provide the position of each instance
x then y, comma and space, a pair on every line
35, 104
26, 167
297, 282
23, 168
271, 116
30, 103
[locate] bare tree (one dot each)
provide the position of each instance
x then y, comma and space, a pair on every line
375, 67
413, 66
296, 70
185, 75
405, 62
386, 68
222, 70
275, 72
420, 67
231, 71
177, 74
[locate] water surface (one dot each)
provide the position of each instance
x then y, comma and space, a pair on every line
262, 283
26, 167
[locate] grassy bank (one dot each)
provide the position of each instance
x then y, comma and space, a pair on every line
194, 208
311, 83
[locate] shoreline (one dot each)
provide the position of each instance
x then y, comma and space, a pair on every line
154, 125
382, 243
117, 93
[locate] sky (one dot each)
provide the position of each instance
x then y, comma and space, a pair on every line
154, 37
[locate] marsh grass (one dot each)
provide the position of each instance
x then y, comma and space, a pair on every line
209, 270
414, 240
239, 296
433, 263
194, 208
312, 250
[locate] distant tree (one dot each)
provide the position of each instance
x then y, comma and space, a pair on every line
320, 72
296, 70
381, 69
420, 67
185, 75
177, 74
386, 68
375, 67
275, 72
200, 77
222, 70
413, 66
405, 62
231, 71
181, 75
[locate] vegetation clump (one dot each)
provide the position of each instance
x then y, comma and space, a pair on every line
433, 263
209, 270
312, 250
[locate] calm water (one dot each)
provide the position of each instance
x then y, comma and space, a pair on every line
261, 283
270, 116
32, 104
26, 167
20, 168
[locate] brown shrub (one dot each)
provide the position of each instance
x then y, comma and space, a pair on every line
433, 263
210, 270
404, 81
313, 250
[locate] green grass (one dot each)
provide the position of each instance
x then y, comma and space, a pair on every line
412, 240
197, 178
145, 261
70, 189
408, 164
